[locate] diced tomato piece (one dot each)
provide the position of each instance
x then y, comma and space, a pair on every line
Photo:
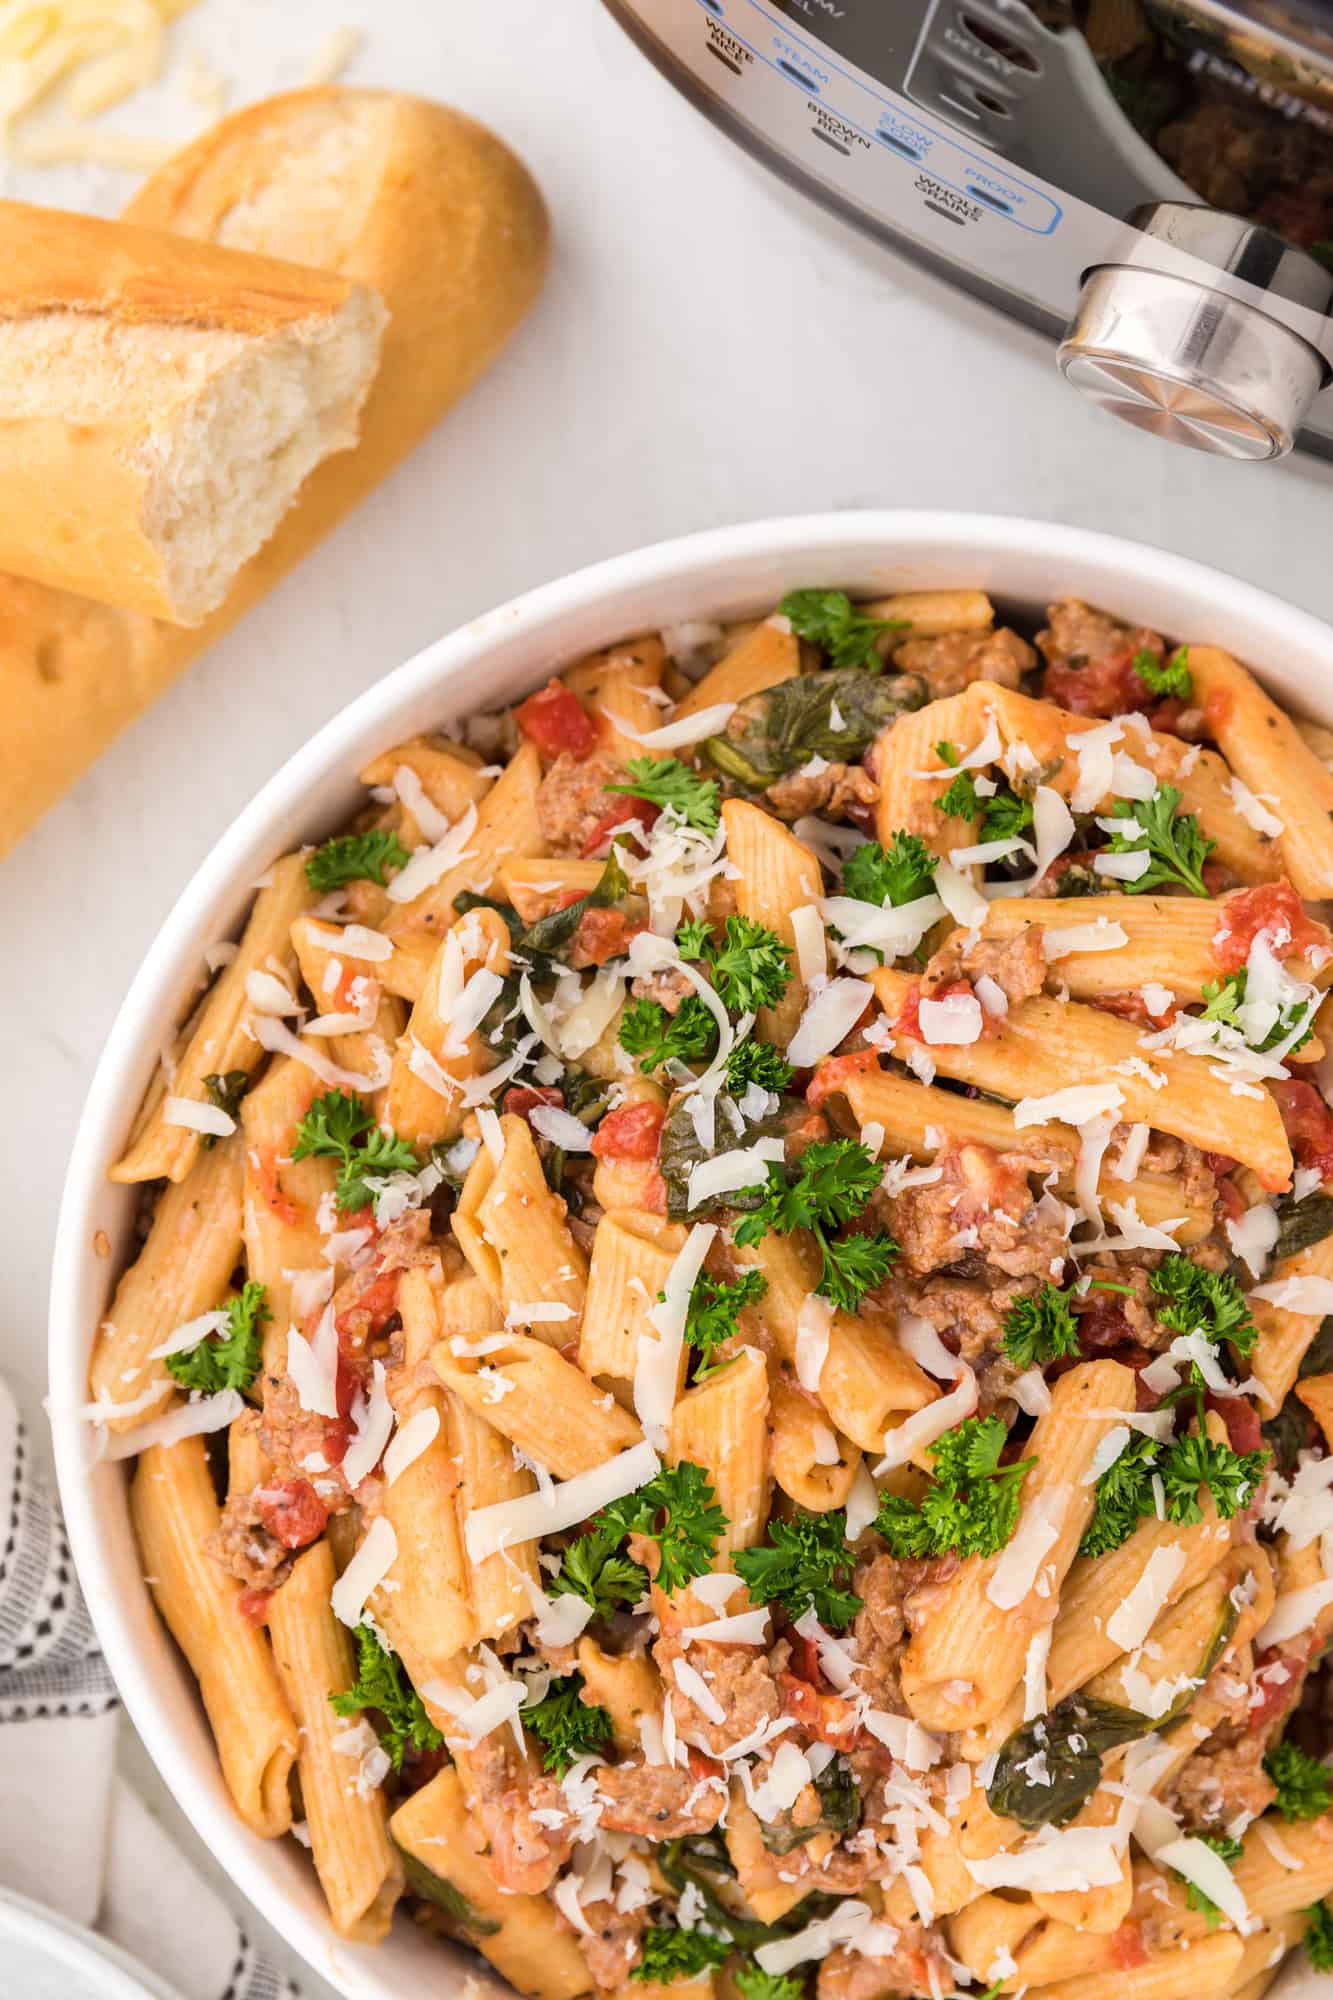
632, 1133
827, 1717
1231, 1202
556, 720
909, 1020
1133, 1007
253, 1605
641, 810
1098, 687
1273, 907
1279, 1674
265, 1160
1165, 718
1102, 1324
370, 1312
1308, 1123
1241, 1420
522, 1099
1127, 1946
339, 1432
601, 935
836, 1072
292, 1512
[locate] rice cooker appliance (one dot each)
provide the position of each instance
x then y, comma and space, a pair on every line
1150, 181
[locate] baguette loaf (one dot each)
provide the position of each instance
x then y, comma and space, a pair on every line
414, 200
161, 401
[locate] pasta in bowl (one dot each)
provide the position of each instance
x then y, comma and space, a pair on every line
721, 1372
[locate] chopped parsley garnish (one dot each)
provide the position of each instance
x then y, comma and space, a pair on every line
668, 1954
1169, 677
1190, 1298
1319, 1936
666, 782
1230, 1477
225, 1089
713, 1314
1195, 1898
753, 1061
1005, 816
959, 798
694, 939
829, 620
567, 1726
806, 1566
1125, 1493
382, 1685
1224, 998
230, 1359
341, 1126
835, 1180
1303, 1783
753, 1983
752, 966
1041, 1328
595, 1568
1176, 848
648, 1032
900, 873
677, 1509
971, 1503
355, 857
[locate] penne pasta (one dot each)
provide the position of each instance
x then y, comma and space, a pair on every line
721, 1424
514, 1234
767, 655
778, 875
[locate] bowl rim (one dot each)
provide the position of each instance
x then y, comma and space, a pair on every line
862, 537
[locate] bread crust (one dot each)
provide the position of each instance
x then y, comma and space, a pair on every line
454, 238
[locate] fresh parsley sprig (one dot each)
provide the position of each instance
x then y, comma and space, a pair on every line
382, 1686
1176, 848
753, 1061
668, 1954
805, 1566
1004, 814
1125, 1493
666, 782
828, 619
232, 1358
753, 1983
1224, 998
677, 1509
834, 1182
1304, 1785
1319, 1936
712, 1317
751, 968
1041, 1328
355, 857
566, 1725
1169, 677
652, 1035
971, 1504
900, 873
1191, 1300
341, 1126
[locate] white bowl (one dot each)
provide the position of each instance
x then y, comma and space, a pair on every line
727, 572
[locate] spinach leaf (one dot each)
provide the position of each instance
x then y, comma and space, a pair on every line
1302, 1223
1076, 1735
552, 934
699, 1862
840, 1798
1072, 1739
1293, 1429
438, 1889
680, 1150
835, 715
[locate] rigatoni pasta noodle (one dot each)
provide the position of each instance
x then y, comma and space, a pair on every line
765, 1264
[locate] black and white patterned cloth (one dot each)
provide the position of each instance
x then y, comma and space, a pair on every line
73, 1835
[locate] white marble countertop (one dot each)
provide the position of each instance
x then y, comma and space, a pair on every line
648, 395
